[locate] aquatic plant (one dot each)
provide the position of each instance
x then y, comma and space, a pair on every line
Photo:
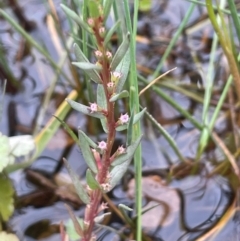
109, 73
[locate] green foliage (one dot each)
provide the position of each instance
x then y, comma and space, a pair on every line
6, 200
87, 152
123, 48
91, 181
81, 191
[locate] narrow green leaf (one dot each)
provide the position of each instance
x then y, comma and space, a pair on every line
123, 68
75, 221
70, 229
91, 181
100, 218
89, 140
82, 193
111, 32
93, 74
123, 48
104, 124
128, 155
121, 95
71, 14
87, 66
118, 171
101, 97
137, 117
87, 152
123, 209
83, 109
80, 56
122, 206
69, 131
106, 7
130, 128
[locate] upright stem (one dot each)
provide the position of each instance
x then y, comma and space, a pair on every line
96, 195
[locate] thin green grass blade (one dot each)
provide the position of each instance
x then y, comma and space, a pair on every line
81, 191
134, 105
169, 139
234, 15
173, 103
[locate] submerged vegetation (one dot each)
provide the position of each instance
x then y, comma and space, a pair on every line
101, 82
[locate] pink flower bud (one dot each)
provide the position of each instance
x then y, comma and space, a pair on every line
110, 85
98, 54
90, 22
102, 31
109, 55
102, 145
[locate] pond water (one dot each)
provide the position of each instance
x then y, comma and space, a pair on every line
191, 203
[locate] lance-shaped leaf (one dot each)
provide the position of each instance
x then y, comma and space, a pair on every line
84, 109
82, 193
123, 209
89, 140
118, 171
100, 218
123, 68
87, 152
78, 226
123, 48
87, 66
106, 7
104, 124
102, 102
128, 155
101, 97
71, 14
93, 74
91, 181
121, 95
111, 32
136, 118
130, 127
69, 131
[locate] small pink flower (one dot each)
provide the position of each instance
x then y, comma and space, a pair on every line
93, 107
110, 84
102, 145
124, 118
109, 55
106, 187
90, 22
98, 54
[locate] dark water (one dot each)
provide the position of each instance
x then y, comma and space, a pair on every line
195, 201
